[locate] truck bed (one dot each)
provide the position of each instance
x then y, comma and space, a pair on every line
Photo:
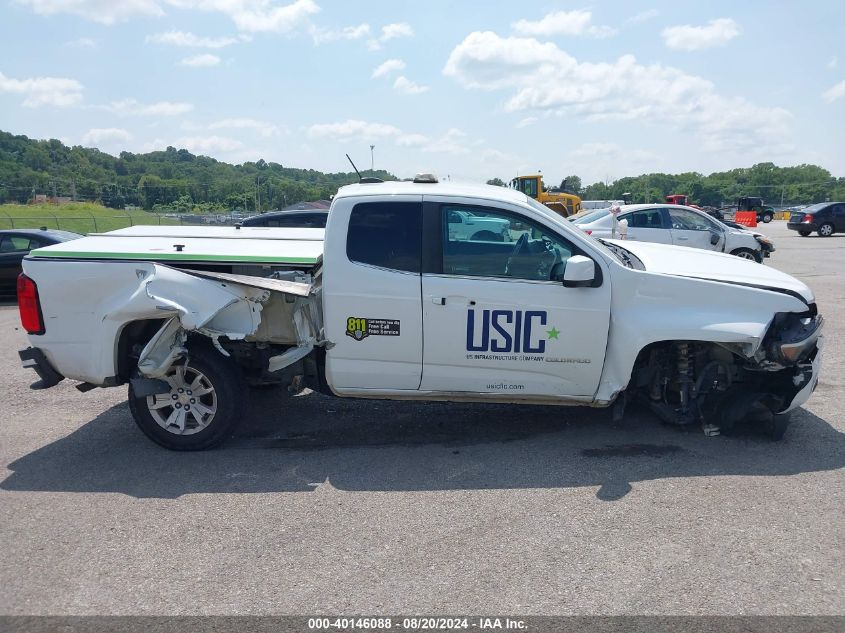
201, 245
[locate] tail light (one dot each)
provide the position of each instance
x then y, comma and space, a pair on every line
29, 305
808, 218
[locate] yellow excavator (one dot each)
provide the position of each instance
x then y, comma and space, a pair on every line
565, 204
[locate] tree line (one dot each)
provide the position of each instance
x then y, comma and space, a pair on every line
801, 184
173, 179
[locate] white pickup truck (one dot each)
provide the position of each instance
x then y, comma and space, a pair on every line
391, 302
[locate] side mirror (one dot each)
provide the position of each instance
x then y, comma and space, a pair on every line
714, 238
580, 272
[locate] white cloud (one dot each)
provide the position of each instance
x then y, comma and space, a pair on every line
643, 16
450, 143
412, 140
209, 144
835, 92
82, 42
107, 136
102, 11
542, 77
131, 107
576, 22
387, 67
262, 127
390, 32
530, 120
408, 87
833, 62
257, 16
693, 38
250, 16
352, 129
205, 60
321, 36
189, 40
40, 91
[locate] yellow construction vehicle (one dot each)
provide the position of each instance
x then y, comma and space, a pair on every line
565, 204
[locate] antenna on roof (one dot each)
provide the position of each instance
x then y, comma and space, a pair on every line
354, 167
361, 179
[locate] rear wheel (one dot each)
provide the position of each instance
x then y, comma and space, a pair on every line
488, 236
804, 233
204, 404
767, 217
826, 230
747, 253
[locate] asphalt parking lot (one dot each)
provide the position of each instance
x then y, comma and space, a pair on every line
326, 506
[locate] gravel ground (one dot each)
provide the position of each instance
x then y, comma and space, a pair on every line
323, 505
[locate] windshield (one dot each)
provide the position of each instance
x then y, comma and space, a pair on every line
592, 217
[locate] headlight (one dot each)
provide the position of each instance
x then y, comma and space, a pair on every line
763, 240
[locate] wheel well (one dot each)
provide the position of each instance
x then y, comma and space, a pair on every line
133, 337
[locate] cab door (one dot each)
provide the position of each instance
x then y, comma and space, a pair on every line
496, 319
690, 228
371, 295
648, 225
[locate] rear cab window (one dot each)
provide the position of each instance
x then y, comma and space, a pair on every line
386, 235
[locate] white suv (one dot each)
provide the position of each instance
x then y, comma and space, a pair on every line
681, 226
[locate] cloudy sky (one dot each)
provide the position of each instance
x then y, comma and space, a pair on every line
471, 89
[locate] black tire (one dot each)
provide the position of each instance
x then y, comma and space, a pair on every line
228, 395
767, 217
488, 236
804, 233
826, 230
747, 253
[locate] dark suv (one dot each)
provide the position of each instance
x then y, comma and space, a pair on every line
825, 218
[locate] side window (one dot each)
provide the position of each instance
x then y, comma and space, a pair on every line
500, 244
386, 234
688, 221
645, 219
529, 187
14, 244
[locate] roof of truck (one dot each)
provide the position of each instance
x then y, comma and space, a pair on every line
396, 187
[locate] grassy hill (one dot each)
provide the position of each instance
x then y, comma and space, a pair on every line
80, 217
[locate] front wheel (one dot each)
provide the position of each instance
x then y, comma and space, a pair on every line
747, 253
826, 230
205, 402
804, 233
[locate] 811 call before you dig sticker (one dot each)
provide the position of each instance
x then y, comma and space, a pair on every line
360, 328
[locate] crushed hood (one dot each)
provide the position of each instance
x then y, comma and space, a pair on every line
682, 261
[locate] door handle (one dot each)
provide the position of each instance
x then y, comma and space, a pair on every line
682, 238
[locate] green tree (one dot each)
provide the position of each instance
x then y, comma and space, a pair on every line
572, 184
497, 182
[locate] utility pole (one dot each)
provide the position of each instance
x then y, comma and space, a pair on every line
372, 160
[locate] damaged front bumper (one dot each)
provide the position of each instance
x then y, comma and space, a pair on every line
807, 376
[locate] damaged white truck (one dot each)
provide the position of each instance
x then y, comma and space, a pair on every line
391, 301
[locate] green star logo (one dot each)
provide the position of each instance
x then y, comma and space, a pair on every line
553, 333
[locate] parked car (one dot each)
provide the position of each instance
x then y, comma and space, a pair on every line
306, 219
681, 226
767, 245
825, 218
15, 244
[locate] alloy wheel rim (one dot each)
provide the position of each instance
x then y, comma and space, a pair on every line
826, 230
745, 255
190, 405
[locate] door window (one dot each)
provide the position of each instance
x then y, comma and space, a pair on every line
500, 244
529, 187
685, 220
14, 244
386, 234
645, 219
